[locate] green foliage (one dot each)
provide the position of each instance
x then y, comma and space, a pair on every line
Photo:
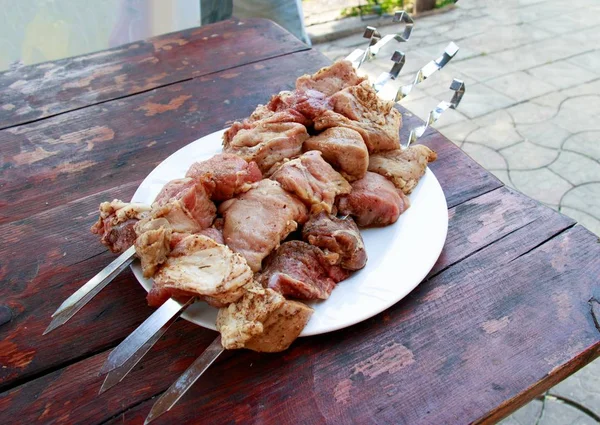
379, 7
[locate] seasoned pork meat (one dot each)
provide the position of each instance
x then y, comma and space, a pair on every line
404, 167
331, 79
199, 266
258, 220
116, 223
267, 143
302, 271
339, 238
225, 175
307, 103
186, 205
262, 320
359, 108
344, 149
153, 243
374, 201
312, 180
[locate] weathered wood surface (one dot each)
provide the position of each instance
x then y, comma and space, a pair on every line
506, 312
33, 92
474, 327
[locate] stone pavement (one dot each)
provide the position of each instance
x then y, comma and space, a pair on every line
530, 115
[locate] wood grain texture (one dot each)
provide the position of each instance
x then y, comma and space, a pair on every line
282, 381
123, 140
38, 91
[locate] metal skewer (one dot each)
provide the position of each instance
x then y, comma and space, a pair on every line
459, 90
132, 345
88, 291
186, 380
118, 374
428, 70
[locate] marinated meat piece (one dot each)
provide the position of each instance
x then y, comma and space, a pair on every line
258, 220
214, 233
186, 205
116, 224
338, 236
267, 143
225, 175
374, 201
344, 149
302, 271
404, 167
262, 320
331, 79
312, 180
360, 109
153, 243
264, 115
307, 103
199, 266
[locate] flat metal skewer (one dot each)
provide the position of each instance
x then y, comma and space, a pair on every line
136, 340
428, 70
83, 295
459, 90
168, 399
117, 375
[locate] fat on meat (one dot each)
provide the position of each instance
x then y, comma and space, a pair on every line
116, 223
403, 167
301, 271
338, 238
257, 221
344, 149
199, 266
331, 79
225, 175
267, 143
373, 202
313, 180
359, 108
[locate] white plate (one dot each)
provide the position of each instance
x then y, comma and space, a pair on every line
400, 255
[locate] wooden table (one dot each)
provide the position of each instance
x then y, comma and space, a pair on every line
510, 309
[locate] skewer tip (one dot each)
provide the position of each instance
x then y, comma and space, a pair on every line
55, 323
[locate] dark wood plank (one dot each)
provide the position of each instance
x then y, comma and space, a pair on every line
123, 140
38, 91
512, 220
493, 339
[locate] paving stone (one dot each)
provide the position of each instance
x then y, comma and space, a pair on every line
496, 131
459, 131
585, 197
481, 99
576, 168
589, 61
587, 143
502, 37
526, 415
593, 225
578, 120
546, 134
542, 185
421, 107
486, 67
562, 74
558, 413
485, 156
530, 113
528, 156
586, 104
520, 86
584, 386
504, 177
586, 89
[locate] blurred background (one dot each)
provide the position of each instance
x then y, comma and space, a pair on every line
530, 115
